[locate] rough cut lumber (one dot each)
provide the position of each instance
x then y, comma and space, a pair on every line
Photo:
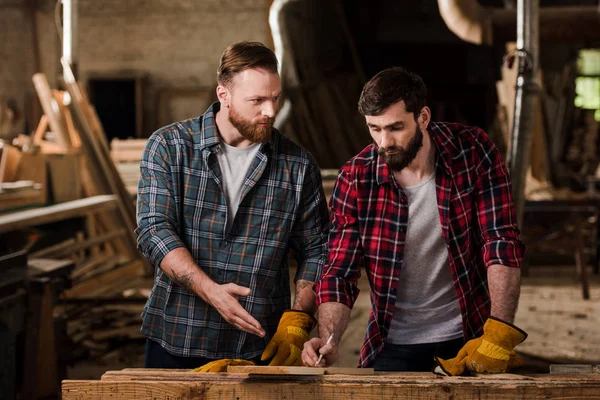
161, 384
282, 370
274, 370
59, 212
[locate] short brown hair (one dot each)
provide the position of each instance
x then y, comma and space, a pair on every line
243, 55
391, 86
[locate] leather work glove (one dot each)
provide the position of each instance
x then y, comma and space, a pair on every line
221, 365
491, 353
287, 343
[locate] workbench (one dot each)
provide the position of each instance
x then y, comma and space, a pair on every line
181, 384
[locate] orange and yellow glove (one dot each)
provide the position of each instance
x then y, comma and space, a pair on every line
221, 365
491, 353
286, 345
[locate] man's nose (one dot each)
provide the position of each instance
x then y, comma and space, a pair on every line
386, 140
268, 109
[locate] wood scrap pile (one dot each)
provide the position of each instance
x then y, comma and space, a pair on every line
65, 160
106, 332
103, 316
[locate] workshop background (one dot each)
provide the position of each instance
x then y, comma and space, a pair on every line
72, 133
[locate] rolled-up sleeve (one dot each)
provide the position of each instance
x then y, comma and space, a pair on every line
309, 236
157, 214
341, 273
496, 214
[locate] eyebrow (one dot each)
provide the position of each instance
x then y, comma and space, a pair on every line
393, 124
263, 97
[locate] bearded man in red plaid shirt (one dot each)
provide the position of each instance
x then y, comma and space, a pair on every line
427, 211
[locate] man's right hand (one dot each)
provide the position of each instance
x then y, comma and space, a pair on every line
224, 299
315, 347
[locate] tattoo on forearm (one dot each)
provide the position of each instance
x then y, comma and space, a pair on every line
301, 288
183, 279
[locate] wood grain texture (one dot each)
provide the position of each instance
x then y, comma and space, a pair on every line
163, 384
274, 370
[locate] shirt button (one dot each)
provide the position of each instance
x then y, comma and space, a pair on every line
225, 243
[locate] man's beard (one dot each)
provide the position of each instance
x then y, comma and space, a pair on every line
253, 132
402, 157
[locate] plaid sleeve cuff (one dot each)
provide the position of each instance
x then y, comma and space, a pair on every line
507, 252
338, 290
155, 244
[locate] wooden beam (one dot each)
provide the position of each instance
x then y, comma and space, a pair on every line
163, 384
58, 212
52, 110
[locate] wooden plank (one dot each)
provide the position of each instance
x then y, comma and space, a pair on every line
10, 159
329, 387
105, 282
34, 167
274, 370
282, 370
52, 110
349, 371
59, 212
65, 177
99, 163
52, 250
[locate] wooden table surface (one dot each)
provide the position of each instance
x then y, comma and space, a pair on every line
182, 384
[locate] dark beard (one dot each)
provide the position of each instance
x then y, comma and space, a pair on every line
253, 132
403, 157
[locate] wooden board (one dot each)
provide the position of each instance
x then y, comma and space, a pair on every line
52, 110
43, 215
161, 384
10, 157
275, 370
281, 370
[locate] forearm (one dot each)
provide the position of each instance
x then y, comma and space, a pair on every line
333, 318
505, 287
305, 297
179, 265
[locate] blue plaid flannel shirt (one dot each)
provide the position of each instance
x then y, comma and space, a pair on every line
181, 204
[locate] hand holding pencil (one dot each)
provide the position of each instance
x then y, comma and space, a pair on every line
315, 350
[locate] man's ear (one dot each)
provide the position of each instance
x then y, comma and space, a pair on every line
223, 95
424, 117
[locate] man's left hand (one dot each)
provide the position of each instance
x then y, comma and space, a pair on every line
491, 353
286, 345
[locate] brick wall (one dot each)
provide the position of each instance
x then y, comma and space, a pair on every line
174, 43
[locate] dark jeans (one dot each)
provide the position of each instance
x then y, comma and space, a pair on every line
414, 357
157, 357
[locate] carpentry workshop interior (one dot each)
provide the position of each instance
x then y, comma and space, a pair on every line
84, 85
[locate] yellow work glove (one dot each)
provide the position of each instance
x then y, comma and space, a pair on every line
221, 365
491, 353
287, 343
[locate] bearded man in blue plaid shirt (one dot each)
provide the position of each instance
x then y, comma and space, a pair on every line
222, 199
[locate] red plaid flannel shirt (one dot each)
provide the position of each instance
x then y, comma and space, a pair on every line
369, 215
